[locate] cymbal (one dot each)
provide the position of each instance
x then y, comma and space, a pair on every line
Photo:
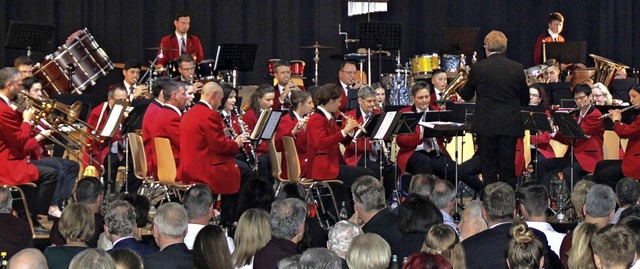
121, 66
161, 48
317, 46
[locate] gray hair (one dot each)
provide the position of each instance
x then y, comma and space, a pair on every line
30, 258
8, 74
475, 211
499, 201
171, 220
169, 89
287, 216
197, 201
291, 262
92, 258
422, 184
341, 235
368, 191
120, 218
320, 258
600, 201
6, 201
442, 197
366, 92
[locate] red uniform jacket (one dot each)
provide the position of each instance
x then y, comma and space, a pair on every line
147, 124
520, 164
588, 151
276, 102
323, 150
194, 47
432, 103
537, 50
631, 160
407, 143
14, 134
251, 119
362, 144
544, 146
167, 125
98, 151
207, 155
287, 123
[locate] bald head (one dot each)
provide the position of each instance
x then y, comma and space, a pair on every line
212, 93
29, 258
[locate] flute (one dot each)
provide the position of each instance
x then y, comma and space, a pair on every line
621, 111
347, 117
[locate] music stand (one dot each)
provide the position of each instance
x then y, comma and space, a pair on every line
566, 52
380, 35
235, 57
535, 120
569, 128
265, 128
556, 91
109, 131
29, 36
352, 99
459, 40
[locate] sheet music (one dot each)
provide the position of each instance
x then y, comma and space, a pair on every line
271, 126
113, 121
433, 124
385, 125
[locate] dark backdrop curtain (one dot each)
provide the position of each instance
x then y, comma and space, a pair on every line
123, 28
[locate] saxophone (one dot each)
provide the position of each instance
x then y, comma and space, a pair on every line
252, 156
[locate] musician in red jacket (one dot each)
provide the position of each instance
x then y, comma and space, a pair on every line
180, 42
587, 151
293, 124
347, 77
555, 21
610, 171
167, 122
149, 118
261, 99
228, 112
439, 82
284, 88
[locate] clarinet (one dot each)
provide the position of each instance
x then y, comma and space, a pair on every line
250, 157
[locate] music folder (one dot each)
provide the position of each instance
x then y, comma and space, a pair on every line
437, 124
114, 119
267, 125
381, 126
568, 126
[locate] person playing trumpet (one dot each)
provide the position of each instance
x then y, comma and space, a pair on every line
610, 171
131, 73
294, 125
347, 77
282, 72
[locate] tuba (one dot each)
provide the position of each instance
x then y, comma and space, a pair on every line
458, 81
605, 69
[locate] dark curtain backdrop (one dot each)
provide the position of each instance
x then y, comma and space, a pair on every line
123, 28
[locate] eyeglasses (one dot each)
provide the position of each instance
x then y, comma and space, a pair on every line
534, 95
578, 98
350, 72
598, 95
188, 68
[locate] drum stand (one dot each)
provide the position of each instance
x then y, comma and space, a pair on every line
316, 60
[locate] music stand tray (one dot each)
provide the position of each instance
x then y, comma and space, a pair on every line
407, 123
459, 40
239, 57
568, 126
381, 35
566, 52
29, 36
535, 121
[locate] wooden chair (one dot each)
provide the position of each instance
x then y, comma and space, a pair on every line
167, 169
313, 189
23, 198
149, 188
276, 169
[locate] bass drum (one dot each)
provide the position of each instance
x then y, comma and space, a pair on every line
398, 85
205, 71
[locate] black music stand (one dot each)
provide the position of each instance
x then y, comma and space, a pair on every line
459, 40
566, 52
382, 36
265, 128
556, 91
109, 131
29, 36
535, 120
569, 128
235, 57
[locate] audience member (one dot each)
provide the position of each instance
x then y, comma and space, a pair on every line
126, 259
210, 249
92, 259
120, 227
76, 226
444, 197
169, 229
28, 258
141, 205
524, 250
368, 251
423, 260
198, 201
319, 258
287, 228
534, 202
15, 233
627, 193
578, 195
417, 216
633, 210
443, 240
291, 262
581, 256
252, 233
340, 237
614, 248
471, 221
422, 184
633, 223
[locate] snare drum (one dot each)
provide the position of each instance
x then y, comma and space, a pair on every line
297, 68
450, 62
424, 64
271, 66
205, 71
414, 64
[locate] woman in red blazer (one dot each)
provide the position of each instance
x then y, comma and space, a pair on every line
228, 112
293, 124
261, 99
610, 171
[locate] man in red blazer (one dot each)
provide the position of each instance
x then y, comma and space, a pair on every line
180, 42
167, 122
207, 152
347, 83
555, 21
282, 72
149, 118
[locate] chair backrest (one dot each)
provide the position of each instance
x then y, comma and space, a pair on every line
135, 155
166, 162
142, 155
293, 164
275, 161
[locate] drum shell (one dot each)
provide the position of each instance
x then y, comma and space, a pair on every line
171, 69
297, 68
450, 62
271, 66
204, 70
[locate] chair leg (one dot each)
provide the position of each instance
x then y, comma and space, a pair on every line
25, 206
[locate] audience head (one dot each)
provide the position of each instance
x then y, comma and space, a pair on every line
120, 219
600, 202
210, 249
88, 191
633, 223
252, 233
6, 201
418, 214
291, 262
198, 201
368, 194
534, 200
141, 205
77, 223
444, 195
170, 222
320, 258
422, 184
341, 235
442, 240
578, 196
471, 221
287, 219
628, 192
368, 251
633, 210
580, 253
126, 259
28, 258
614, 247
498, 202
524, 250
92, 258
424, 260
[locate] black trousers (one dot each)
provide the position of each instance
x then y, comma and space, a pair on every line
390, 173
469, 171
229, 202
67, 172
549, 167
608, 172
497, 156
39, 198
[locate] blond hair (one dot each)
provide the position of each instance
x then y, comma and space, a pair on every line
580, 254
524, 250
443, 240
252, 234
495, 41
77, 223
368, 251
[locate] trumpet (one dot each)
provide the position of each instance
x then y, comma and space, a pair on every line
146, 94
621, 111
347, 117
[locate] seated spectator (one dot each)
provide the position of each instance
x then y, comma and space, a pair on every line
471, 221
169, 228
580, 255
578, 195
444, 197
424, 260
443, 240
126, 259
252, 233
627, 193
92, 259
633, 210
368, 251
28, 258
422, 184
210, 249
287, 228
525, 250
198, 201
15, 233
76, 225
291, 262
120, 227
340, 237
319, 258
614, 248
534, 202
633, 223
417, 216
